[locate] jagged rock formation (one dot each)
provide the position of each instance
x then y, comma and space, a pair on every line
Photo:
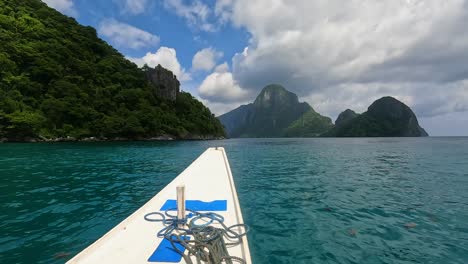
345, 116
274, 109
273, 114
277, 112
386, 117
164, 82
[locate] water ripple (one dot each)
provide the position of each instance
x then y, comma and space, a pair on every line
307, 200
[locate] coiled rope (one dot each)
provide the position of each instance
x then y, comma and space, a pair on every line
208, 244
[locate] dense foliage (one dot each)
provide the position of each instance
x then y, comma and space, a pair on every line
386, 117
345, 117
310, 124
58, 79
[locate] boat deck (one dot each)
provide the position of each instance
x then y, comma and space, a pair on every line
208, 182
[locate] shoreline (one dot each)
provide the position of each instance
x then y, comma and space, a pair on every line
104, 139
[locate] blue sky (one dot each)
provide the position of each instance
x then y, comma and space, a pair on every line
333, 54
172, 30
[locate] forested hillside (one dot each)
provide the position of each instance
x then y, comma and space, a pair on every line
276, 112
58, 79
386, 117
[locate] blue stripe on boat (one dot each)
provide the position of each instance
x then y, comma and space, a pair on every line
196, 205
166, 253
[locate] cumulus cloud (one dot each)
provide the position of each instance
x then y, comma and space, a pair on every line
426, 99
219, 108
220, 87
126, 36
205, 59
133, 7
165, 56
340, 54
222, 68
223, 10
65, 6
197, 14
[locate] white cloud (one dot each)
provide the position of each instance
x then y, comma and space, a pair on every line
426, 99
205, 59
220, 92
339, 54
220, 86
197, 14
133, 7
223, 10
126, 36
64, 6
219, 108
165, 56
224, 67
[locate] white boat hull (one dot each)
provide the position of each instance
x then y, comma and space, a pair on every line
134, 240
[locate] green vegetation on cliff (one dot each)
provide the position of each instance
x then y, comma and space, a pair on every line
274, 109
386, 117
310, 124
58, 79
277, 112
345, 117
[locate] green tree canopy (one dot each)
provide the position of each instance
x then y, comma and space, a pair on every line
58, 79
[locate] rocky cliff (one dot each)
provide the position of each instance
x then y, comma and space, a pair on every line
345, 116
274, 114
386, 117
235, 121
163, 81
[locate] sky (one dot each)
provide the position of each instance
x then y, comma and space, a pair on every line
333, 54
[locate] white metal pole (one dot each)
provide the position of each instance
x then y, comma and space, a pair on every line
181, 203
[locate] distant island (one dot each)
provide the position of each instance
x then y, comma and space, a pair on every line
59, 81
277, 112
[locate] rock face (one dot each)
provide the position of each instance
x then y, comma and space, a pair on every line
274, 109
164, 82
277, 112
345, 117
235, 121
271, 114
386, 117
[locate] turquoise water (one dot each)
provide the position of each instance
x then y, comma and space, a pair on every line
306, 200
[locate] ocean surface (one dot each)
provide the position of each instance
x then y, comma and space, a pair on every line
371, 200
